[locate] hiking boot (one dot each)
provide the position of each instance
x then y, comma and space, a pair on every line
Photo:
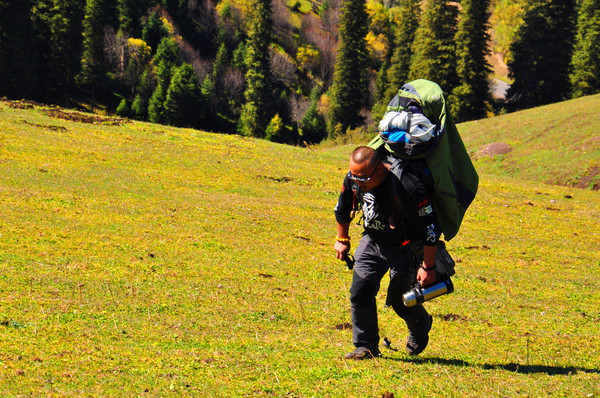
362, 353
415, 344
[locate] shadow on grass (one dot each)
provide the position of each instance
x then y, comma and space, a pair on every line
512, 367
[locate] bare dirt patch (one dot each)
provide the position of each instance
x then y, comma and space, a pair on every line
496, 148
74, 116
453, 318
59, 113
590, 180
343, 326
21, 104
46, 126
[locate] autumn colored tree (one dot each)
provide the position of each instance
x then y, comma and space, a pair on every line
506, 19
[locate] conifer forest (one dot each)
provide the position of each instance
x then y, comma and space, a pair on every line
293, 71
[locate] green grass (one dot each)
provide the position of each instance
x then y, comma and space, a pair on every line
557, 143
144, 260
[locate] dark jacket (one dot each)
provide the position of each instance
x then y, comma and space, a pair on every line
394, 212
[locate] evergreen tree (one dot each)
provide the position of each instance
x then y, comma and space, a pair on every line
130, 15
212, 86
349, 89
123, 109
542, 54
165, 61
380, 100
434, 48
138, 108
144, 90
255, 112
111, 18
410, 16
394, 75
585, 77
471, 98
313, 124
175, 8
153, 31
17, 51
93, 73
183, 105
156, 105
58, 24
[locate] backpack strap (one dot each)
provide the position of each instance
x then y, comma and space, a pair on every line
396, 168
354, 204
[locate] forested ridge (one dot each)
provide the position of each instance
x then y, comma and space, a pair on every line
292, 71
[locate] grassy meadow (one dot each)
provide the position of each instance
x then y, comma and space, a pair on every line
144, 260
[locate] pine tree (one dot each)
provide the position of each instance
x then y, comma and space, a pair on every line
17, 52
144, 91
156, 105
138, 108
130, 15
394, 75
380, 99
410, 16
93, 73
123, 108
165, 61
350, 80
183, 105
153, 31
471, 98
542, 54
434, 48
585, 76
58, 25
255, 113
313, 124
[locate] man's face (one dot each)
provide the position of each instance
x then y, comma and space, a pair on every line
367, 175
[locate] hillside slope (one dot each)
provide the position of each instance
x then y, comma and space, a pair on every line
142, 260
557, 143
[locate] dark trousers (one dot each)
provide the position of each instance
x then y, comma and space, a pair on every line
372, 263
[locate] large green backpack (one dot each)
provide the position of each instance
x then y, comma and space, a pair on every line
454, 177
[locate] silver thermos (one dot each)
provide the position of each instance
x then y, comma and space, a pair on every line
419, 295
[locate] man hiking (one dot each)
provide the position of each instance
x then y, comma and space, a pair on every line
398, 219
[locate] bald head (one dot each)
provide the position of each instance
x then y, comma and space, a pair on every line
366, 168
364, 156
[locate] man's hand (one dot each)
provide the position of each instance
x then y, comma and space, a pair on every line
342, 241
426, 278
341, 249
